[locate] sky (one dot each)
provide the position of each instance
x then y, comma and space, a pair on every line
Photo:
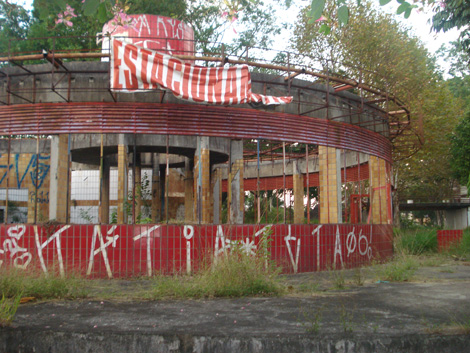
419, 23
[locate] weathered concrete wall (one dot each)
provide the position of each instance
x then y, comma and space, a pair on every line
19, 169
457, 219
24, 340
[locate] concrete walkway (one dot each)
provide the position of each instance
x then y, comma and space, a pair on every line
430, 314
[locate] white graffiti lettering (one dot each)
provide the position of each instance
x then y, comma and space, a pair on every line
287, 239
222, 244
351, 242
363, 240
338, 249
148, 234
111, 240
262, 230
317, 231
40, 247
11, 245
248, 247
188, 233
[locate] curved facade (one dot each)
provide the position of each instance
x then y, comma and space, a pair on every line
74, 151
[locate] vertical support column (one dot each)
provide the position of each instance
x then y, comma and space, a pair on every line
236, 192
202, 200
330, 184
59, 178
188, 192
104, 192
138, 186
163, 194
122, 180
298, 181
32, 190
380, 197
156, 197
5, 215
216, 185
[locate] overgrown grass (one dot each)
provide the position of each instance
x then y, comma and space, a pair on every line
28, 284
415, 241
400, 269
454, 326
409, 245
8, 307
233, 274
462, 249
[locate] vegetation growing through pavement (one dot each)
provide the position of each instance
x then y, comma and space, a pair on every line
8, 309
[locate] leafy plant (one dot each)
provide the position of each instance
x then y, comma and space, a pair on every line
311, 320
143, 192
346, 319
86, 215
358, 277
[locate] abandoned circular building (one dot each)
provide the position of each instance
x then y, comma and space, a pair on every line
147, 155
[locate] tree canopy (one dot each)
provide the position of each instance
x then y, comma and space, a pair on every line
448, 14
74, 23
460, 150
451, 14
382, 50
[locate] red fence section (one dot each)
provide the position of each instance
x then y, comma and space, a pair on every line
126, 251
448, 238
188, 119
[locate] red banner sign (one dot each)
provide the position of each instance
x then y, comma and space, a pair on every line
135, 68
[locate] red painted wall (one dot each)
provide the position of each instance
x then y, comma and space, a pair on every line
126, 251
448, 238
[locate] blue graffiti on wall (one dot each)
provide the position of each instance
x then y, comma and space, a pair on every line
41, 168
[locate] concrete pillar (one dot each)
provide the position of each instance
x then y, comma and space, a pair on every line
298, 180
188, 192
236, 192
104, 192
330, 184
380, 191
123, 171
59, 179
202, 200
156, 197
216, 185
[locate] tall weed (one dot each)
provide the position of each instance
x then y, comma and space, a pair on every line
232, 274
8, 309
29, 284
415, 241
462, 249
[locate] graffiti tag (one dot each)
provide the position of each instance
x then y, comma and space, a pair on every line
21, 257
